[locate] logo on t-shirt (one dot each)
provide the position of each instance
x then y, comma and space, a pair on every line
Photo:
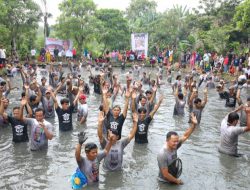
66, 117
113, 125
141, 127
19, 130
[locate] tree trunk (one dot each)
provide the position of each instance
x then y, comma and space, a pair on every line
13, 46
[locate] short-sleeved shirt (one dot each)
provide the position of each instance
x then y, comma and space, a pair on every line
65, 118
141, 135
197, 113
19, 130
48, 106
3, 122
38, 139
229, 138
243, 118
231, 100
113, 161
165, 158
82, 111
115, 124
91, 168
179, 106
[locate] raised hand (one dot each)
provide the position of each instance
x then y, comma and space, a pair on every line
154, 88
193, 119
101, 117
135, 117
26, 86
23, 102
134, 94
82, 138
104, 90
128, 94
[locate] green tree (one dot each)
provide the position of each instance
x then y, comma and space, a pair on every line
20, 20
115, 34
46, 16
242, 16
140, 14
77, 21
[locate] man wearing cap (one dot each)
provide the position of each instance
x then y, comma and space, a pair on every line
82, 112
168, 154
48, 105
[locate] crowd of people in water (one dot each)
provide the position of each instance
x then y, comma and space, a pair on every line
39, 101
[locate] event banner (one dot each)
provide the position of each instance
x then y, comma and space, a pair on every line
139, 42
52, 43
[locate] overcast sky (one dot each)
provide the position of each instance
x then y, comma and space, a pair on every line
118, 4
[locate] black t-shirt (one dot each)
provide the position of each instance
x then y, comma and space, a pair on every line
19, 130
115, 125
97, 88
65, 118
141, 135
231, 100
223, 95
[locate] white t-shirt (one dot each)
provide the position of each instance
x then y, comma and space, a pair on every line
2, 53
246, 71
33, 52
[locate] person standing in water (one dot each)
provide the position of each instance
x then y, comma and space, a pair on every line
168, 155
229, 133
89, 165
113, 160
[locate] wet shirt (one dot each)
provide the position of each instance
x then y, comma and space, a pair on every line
38, 139
65, 118
19, 130
243, 118
141, 135
179, 106
48, 106
223, 95
210, 85
113, 161
115, 124
231, 100
229, 138
91, 168
165, 158
3, 122
197, 112
82, 111
34, 107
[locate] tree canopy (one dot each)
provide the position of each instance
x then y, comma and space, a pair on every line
214, 25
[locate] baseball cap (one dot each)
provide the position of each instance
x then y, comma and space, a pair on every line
82, 97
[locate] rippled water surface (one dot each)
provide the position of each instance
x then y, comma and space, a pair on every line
203, 166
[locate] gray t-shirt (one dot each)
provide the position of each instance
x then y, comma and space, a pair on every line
82, 111
229, 138
113, 161
165, 158
243, 118
48, 106
38, 139
91, 168
179, 106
